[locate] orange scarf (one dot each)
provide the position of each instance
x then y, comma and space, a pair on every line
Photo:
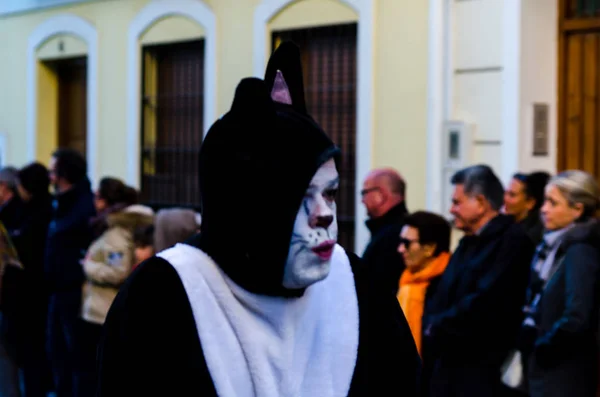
411, 295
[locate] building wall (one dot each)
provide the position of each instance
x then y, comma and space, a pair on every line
539, 56
490, 61
400, 114
398, 110
467, 75
502, 58
477, 76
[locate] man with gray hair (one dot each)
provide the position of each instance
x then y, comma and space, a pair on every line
473, 321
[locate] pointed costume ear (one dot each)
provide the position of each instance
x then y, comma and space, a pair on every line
281, 92
284, 77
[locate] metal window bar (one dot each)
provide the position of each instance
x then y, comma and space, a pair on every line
329, 61
172, 120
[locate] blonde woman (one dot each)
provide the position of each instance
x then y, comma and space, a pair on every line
558, 338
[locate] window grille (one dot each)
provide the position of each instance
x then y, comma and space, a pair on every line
172, 123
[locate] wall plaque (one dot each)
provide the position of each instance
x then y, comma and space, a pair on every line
540, 129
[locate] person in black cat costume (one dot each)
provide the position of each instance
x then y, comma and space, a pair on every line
263, 302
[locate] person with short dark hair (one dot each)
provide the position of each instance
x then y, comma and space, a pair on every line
69, 236
67, 168
425, 248
473, 320
523, 199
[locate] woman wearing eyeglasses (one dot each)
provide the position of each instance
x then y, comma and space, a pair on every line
425, 248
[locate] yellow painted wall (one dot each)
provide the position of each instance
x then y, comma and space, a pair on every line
172, 29
309, 13
47, 104
400, 67
111, 20
400, 138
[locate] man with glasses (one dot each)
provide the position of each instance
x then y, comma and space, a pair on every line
383, 195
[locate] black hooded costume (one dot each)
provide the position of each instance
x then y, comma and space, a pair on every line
211, 317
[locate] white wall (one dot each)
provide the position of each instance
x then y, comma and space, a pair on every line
503, 59
477, 75
538, 78
490, 61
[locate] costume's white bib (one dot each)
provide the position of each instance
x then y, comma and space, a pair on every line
260, 346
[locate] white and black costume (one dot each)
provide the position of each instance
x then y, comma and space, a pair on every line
214, 316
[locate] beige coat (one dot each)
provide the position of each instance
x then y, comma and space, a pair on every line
109, 261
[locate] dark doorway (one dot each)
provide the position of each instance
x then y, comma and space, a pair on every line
72, 102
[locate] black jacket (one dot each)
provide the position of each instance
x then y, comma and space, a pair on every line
11, 214
24, 295
381, 255
565, 358
533, 227
476, 313
69, 236
30, 237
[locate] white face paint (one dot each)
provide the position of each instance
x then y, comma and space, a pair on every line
315, 231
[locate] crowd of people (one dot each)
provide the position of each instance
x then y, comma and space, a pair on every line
513, 311
260, 300
72, 251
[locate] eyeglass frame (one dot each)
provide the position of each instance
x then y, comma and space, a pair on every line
407, 242
364, 192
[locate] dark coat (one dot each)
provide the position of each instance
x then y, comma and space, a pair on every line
533, 227
11, 214
381, 254
427, 351
11, 217
565, 357
30, 238
475, 316
69, 236
25, 299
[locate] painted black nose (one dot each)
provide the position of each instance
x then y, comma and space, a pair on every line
324, 221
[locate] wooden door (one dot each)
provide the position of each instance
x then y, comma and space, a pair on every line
72, 103
579, 86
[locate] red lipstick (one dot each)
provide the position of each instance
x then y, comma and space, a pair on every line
324, 250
